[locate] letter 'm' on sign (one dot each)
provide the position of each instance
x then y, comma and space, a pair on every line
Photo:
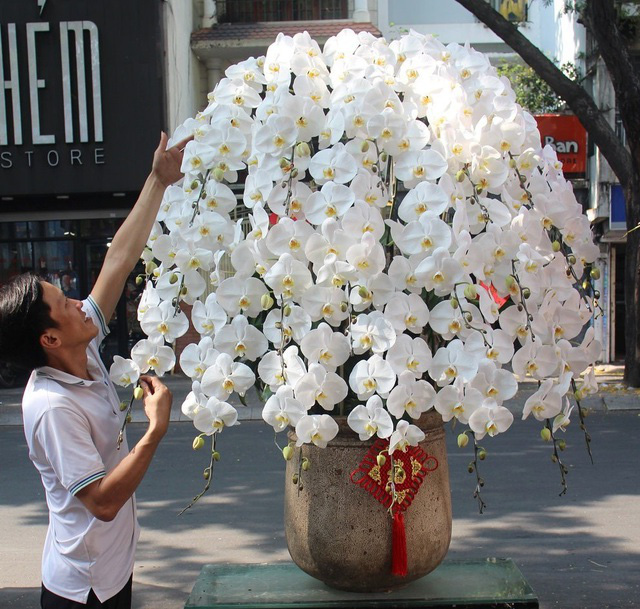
13, 85
78, 28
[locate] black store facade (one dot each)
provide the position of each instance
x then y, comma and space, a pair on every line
81, 109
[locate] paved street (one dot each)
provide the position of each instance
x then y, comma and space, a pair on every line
577, 551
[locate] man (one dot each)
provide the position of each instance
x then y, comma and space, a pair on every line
72, 417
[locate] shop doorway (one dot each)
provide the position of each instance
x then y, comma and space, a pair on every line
618, 347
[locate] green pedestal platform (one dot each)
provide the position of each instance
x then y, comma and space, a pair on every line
492, 582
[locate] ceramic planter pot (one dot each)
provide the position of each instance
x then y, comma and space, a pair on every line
340, 534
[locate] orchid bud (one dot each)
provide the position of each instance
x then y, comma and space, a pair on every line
302, 149
129, 418
470, 292
149, 267
510, 281
454, 303
526, 293
294, 173
463, 440
266, 302
173, 278
138, 393
287, 310
306, 464
206, 474
545, 434
184, 290
595, 274
218, 174
216, 455
482, 454
295, 478
287, 453
383, 157
364, 147
460, 176
561, 444
596, 294
123, 406
139, 280
195, 184
284, 163
512, 163
555, 246
571, 259
381, 459
198, 443
364, 293
344, 307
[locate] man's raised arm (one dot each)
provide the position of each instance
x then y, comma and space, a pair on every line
129, 241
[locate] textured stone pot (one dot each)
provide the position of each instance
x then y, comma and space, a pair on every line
340, 534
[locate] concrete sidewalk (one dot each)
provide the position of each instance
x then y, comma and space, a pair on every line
579, 551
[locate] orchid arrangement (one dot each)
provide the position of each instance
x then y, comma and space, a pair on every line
403, 243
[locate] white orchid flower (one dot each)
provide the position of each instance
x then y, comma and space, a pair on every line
407, 312
277, 136
163, 321
414, 167
561, 421
490, 419
208, 317
371, 419
333, 200
494, 383
289, 236
316, 429
326, 347
241, 339
321, 386
405, 435
545, 403
241, 296
367, 257
534, 359
196, 358
196, 158
288, 277
194, 401
439, 272
124, 372
410, 396
378, 291
421, 236
409, 354
333, 164
257, 188
334, 272
150, 298
326, 303
457, 400
372, 331
282, 409
275, 369
219, 198
426, 196
214, 416
451, 362
363, 218
150, 355
370, 376
295, 325
225, 376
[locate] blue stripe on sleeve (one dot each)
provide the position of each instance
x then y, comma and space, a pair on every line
78, 486
96, 308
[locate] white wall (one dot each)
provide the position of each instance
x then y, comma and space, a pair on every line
182, 68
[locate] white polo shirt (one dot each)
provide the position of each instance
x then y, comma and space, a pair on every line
71, 426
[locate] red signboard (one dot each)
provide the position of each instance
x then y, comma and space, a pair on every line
568, 137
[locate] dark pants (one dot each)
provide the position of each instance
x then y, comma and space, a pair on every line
122, 600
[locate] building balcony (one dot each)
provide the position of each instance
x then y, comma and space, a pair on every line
255, 11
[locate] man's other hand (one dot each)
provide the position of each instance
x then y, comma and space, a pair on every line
157, 404
167, 161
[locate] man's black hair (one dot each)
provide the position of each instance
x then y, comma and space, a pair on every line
24, 316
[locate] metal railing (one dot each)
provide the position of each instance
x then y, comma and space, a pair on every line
252, 11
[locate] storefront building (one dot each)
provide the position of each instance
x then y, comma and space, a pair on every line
81, 110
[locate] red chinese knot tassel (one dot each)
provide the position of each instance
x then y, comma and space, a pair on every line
398, 546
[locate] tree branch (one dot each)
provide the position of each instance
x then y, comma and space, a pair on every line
571, 92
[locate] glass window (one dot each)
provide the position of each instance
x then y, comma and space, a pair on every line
54, 262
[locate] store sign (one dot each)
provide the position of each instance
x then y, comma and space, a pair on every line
81, 98
566, 135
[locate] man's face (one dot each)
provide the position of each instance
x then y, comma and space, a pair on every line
74, 327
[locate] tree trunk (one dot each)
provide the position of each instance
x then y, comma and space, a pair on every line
632, 282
